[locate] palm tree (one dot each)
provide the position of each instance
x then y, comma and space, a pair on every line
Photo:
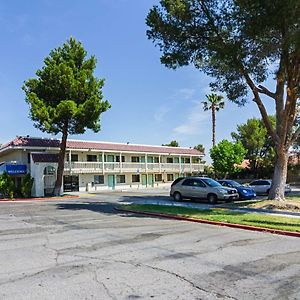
214, 103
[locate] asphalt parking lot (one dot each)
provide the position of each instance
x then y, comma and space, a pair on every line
84, 249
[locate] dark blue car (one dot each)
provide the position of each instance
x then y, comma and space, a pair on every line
245, 192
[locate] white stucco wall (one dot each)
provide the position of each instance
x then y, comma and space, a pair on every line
18, 156
37, 172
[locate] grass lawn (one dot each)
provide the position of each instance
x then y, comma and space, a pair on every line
223, 215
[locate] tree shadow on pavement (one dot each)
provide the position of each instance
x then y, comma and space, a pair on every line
105, 208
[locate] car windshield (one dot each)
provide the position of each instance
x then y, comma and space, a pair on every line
234, 183
211, 182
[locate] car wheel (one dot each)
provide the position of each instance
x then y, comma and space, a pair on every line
177, 196
212, 198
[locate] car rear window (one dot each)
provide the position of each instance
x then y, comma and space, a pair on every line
260, 182
264, 182
176, 180
188, 182
193, 182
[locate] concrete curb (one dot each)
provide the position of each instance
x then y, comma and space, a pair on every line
239, 226
38, 199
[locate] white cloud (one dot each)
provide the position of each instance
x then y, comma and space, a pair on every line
172, 102
160, 114
185, 93
195, 121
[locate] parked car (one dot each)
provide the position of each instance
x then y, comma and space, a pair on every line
201, 188
262, 186
245, 192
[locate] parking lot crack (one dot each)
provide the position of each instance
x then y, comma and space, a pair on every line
96, 279
180, 277
47, 246
189, 282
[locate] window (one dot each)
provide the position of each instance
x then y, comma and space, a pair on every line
196, 160
176, 180
74, 157
185, 160
135, 159
28, 158
156, 160
99, 179
201, 184
91, 157
188, 182
120, 178
176, 160
118, 158
169, 160
158, 177
193, 182
135, 178
110, 158
210, 182
150, 159
260, 182
170, 177
49, 170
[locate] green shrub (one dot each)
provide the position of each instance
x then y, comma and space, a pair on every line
7, 185
26, 186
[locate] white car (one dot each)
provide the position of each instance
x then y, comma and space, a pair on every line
262, 186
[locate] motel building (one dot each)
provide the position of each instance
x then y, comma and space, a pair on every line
95, 166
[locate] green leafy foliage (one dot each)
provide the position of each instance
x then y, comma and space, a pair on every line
66, 97
226, 156
225, 38
172, 144
65, 92
26, 186
200, 148
239, 44
6, 185
260, 148
213, 102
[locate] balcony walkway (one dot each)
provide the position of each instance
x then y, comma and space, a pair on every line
124, 167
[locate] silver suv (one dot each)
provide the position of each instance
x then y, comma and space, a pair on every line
201, 188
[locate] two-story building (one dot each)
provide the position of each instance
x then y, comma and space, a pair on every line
93, 166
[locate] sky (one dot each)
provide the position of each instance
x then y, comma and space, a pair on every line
150, 104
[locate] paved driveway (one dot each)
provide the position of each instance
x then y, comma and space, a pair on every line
83, 249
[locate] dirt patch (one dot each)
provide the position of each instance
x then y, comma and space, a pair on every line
277, 205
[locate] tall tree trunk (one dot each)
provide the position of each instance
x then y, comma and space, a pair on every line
61, 161
213, 112
279, 176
